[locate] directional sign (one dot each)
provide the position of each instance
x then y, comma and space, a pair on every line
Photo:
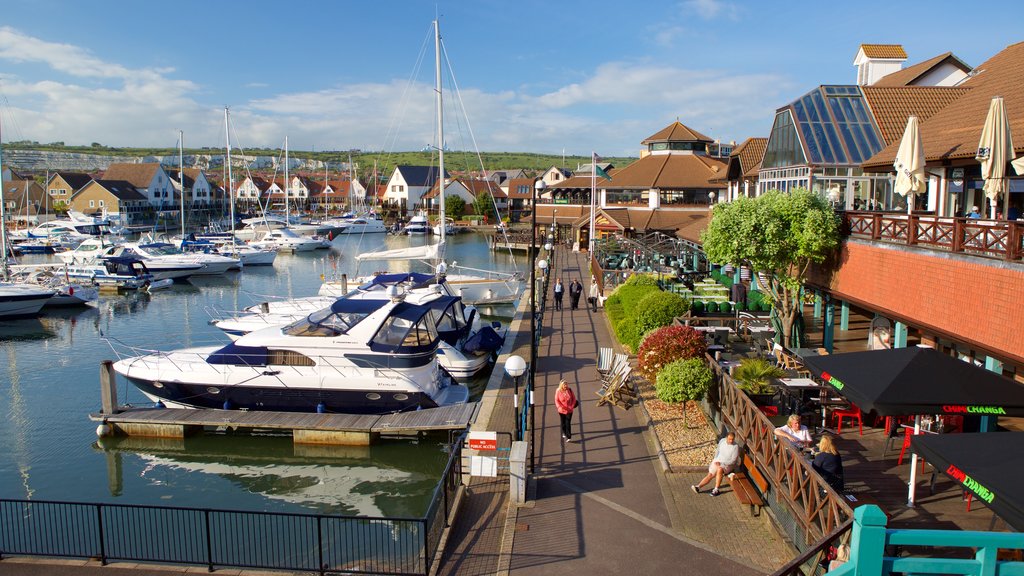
483, 440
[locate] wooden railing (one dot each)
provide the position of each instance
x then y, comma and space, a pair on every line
990, 238
815, 506
817, 555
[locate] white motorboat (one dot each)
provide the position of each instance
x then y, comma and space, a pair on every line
76, 227
449, 227
122, 273
476, 286
358, 225
246, 255
417, 225
212, 264
284, 240
67, 292
22, 300
375, 362
90, 254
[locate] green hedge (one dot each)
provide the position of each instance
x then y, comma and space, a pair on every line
658, 309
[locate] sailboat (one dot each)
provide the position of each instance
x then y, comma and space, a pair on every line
476, 286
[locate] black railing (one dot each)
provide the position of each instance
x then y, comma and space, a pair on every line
230, 538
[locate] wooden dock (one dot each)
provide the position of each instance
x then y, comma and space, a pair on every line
306, 428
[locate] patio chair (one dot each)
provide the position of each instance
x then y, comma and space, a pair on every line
853, 412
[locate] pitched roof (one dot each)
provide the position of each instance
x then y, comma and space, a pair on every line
668, 172
74, 179
883, 51
420, 175
121, 189
675, 132
746, 156
515, 183
139, 175
953, 132
908, 75
686, 224
892, 106
584, 181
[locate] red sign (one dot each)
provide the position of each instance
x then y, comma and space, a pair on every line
483, 440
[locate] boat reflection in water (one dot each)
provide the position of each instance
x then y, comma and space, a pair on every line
391, 479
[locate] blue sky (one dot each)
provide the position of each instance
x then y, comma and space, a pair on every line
534, 75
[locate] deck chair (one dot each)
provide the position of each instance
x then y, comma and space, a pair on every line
604, 359
619, 391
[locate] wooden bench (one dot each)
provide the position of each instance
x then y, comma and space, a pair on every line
745, 485
604, 360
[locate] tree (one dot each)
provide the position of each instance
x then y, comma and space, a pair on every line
684, 380
454, 206
778, 234
484, 206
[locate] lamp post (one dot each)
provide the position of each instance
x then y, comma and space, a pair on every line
538, 189
515, 367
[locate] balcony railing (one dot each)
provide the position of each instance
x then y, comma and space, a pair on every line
1000, 239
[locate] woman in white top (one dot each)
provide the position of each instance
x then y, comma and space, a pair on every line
796, 433
724, 462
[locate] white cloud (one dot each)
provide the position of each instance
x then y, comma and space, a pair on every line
712, 9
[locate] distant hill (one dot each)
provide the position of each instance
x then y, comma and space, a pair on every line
32, 156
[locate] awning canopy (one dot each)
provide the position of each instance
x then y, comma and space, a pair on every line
982, 463
909, 381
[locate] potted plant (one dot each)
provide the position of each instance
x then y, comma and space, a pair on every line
754, 376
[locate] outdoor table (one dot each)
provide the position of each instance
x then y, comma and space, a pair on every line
795, 386
804, 352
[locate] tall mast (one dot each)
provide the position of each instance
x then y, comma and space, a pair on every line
3, 224
181, 177
440, 134
231, 183
287, 223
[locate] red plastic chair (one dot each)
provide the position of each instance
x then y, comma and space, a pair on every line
769, 410
852, 412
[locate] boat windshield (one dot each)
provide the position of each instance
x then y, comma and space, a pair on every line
325, 323
161, 249
404, 331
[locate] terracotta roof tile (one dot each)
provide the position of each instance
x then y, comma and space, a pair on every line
908, 75
676, 132
883, 51
139, 175
953, 132
515, 184
686, 224
892, 106
668, 172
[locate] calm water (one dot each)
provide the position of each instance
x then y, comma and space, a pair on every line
50, 383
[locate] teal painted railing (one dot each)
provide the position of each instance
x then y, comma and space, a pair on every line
934, 551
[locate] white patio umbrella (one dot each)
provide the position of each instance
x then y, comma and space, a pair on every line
909, 163
995, 149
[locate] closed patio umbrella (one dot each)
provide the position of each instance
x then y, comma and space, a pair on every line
909, 163
995, 149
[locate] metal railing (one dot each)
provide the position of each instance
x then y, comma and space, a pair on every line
229, 538
814, 505
989, 238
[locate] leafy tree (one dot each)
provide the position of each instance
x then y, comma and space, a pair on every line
778, 234
454, 206
666, 345
684, 380
658, 309
484, 206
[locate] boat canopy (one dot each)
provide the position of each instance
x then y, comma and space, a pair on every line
335, 320
385, 280
425, 252
409, 329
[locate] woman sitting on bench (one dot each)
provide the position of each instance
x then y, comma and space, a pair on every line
725, 460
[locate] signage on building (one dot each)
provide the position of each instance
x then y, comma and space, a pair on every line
483, 440
957, 174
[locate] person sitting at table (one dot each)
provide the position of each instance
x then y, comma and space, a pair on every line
796, 433
828, 463
724, 462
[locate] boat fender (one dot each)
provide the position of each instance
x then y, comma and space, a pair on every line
227, 405
160, 404
104, 430
321, 408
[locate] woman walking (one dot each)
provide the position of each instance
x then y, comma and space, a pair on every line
565, 402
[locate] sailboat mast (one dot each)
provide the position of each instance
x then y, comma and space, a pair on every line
440, 133
181, 177
4, 273
287, 221
231, 183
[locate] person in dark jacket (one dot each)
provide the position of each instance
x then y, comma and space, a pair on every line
575, 290
828, 463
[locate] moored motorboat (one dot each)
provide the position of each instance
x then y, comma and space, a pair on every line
22, 300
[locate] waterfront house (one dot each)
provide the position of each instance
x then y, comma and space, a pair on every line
741, 173
251, 191
468, 189
199, 191
520, 197
25, 200
408, 184
118, 200
149, 179
63, 185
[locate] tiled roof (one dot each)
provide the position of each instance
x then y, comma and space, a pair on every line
667, 172
750, 153
566, 213
420, 175
892, 106
686, 224
676, 132
121, 189
74, 179
752, 172
883, 51
908, 75
953, 132
139, 175
584, 182
514, 185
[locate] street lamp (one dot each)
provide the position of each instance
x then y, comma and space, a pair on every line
538, 189
515, 367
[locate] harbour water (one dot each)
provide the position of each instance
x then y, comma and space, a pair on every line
49, 384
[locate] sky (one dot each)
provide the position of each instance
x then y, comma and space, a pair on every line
554, 77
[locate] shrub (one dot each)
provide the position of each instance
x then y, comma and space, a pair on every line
697, 306
684, 380
766, 306
712, 307
666, 345
754, 375
631, 296
641, 280
724, 307
659, 309
627, 333
740, 306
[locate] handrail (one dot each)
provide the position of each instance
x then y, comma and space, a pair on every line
1002, 239
817, 551
813, 503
